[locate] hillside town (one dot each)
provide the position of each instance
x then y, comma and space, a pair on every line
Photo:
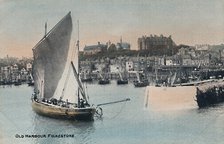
157, 57
15, 71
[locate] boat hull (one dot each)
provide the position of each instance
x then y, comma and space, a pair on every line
141, 84
87, 80
103, 82
83, 114
120, 82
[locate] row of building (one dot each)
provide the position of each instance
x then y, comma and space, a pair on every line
186, 56
12, 73
157, 45
94, 49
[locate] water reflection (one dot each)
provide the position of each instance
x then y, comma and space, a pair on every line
79, 132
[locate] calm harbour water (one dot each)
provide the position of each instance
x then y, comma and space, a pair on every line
122, 123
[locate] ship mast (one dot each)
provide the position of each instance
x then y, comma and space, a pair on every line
78, 64
45, 34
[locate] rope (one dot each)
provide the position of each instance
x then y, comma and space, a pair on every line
119, 112
66, 82
99, 114
127, 99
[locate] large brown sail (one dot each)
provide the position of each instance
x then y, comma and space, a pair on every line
50, 56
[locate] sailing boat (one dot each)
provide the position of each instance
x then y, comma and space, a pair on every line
86, 78
30, 80
50, 61
18, 81
142, 80
103, 80
121, 80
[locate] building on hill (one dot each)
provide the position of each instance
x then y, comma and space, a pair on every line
94, 49
123, 45
201, 47
29, 67
156, 45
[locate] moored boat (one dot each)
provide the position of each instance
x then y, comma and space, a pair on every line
141, 81
30, 83
17, 83
30, 80
104, 81
87, 79
122, 81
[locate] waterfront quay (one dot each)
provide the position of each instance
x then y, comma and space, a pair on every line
152, 67
158, 68
189, 73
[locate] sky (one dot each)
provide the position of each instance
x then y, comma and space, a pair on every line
187, 21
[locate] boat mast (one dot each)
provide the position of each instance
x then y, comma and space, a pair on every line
78, 64
45, 29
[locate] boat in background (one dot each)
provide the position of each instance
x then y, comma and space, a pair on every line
121, 80
53, 77
30, 80
89, 79
141, 81
103, 80
86, 77
18, 81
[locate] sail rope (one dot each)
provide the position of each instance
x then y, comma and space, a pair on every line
78, 81
67, 76
99, 111
120, 111
66, 82
86, 90
69, 71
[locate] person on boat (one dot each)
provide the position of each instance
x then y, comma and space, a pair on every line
67, 104
81, 103
35, 96
43, 100
54, 101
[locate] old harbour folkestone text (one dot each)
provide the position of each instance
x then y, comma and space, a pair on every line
44, 136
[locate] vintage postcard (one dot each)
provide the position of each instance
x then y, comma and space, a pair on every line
111, 71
